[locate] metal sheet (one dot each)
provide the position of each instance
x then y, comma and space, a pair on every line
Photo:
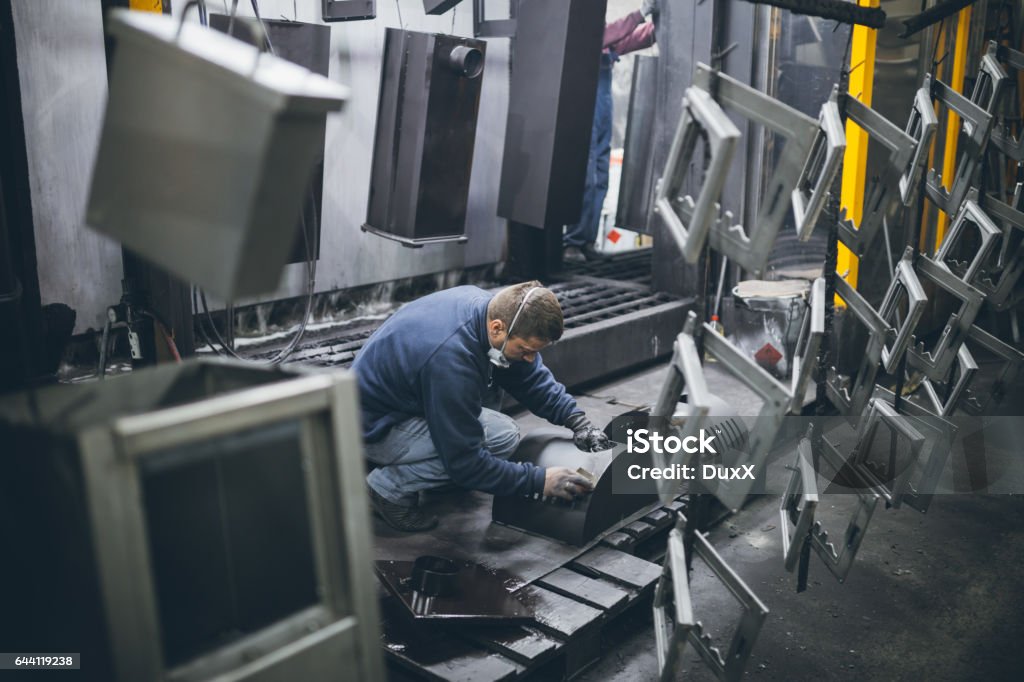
551, 110
636, 185
348, 10
582, 520
426, 130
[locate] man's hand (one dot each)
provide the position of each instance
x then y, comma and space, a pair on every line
585, 435
649, 7
565, 483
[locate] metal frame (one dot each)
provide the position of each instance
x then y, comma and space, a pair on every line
805, 354
672, 629
346, 619
798, 504
1013, 361
991, 75
490, 28
684, 371
968, 366
939, 435
776, 401
701, 114
901, 149
921, 126
731, 666
852, 403
825, 159
998, 290
979, 123
936, 364
971, 212
879, 414
1012, 147
839, 562
904, 280
751, 251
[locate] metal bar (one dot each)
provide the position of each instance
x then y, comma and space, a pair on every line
953, 120
932, 16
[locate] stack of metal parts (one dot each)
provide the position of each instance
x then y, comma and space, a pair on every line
979, 265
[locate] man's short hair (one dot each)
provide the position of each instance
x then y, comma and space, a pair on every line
541, 317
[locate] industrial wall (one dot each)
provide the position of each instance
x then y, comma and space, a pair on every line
63, 82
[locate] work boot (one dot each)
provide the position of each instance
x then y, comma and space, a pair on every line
400, 517
573, 254
591, 253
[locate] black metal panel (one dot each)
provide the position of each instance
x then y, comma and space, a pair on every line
584, 519
438, 6
307, 45
638, 172
348, 10
551, 110
426, 129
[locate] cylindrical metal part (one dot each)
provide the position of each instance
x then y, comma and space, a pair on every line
466, 61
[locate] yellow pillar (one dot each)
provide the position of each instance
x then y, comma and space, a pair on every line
147, 5
963, 32
855, 162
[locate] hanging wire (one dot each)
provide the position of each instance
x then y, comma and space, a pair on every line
454, 10
398, 6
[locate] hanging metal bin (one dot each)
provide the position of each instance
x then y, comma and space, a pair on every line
206, 152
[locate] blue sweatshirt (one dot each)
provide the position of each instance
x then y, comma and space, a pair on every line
429, 360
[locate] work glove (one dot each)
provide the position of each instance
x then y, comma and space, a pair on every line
585, 435
565, 483
649, 7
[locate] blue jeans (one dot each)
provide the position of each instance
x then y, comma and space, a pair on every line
408, 462
595, 188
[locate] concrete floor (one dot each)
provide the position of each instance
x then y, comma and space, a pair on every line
937, 596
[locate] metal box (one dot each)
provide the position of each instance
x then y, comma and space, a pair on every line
348, 10
206, 152
550, 110
192, 521
426, 128
309, 46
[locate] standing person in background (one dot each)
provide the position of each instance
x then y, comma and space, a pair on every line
628, 34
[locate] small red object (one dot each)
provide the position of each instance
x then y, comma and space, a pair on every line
768, 356
614, 236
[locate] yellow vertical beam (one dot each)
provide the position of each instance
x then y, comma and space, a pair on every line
963, 32
855, 162
147, 5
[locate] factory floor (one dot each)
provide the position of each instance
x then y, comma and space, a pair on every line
936, 596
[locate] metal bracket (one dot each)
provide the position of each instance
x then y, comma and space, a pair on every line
701, 115
751, 251
685, 371
671, 628
904, 281
998, 286
798, 505
775, 403
490, 28
901, 150
979, 122
851, 403
936, 363
730, 666
805, 355
1012, 358
921, 126
821, 168
969, 214
939, 435
897, 473
990, 84
840, 561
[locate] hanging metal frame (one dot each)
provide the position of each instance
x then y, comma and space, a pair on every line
821, 168
901, 147
970, 213
805, 354
673, 608
921, 126
1001, 138
998, 287
690, 223
851, 401
796, 509
897, 476
904, 283
963, 372
937, 362
750, 248
1012, 359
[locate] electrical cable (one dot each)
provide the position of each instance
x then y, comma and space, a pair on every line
101, 368
266, 35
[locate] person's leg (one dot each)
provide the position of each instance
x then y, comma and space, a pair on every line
601, 151
408, 462
578, 233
